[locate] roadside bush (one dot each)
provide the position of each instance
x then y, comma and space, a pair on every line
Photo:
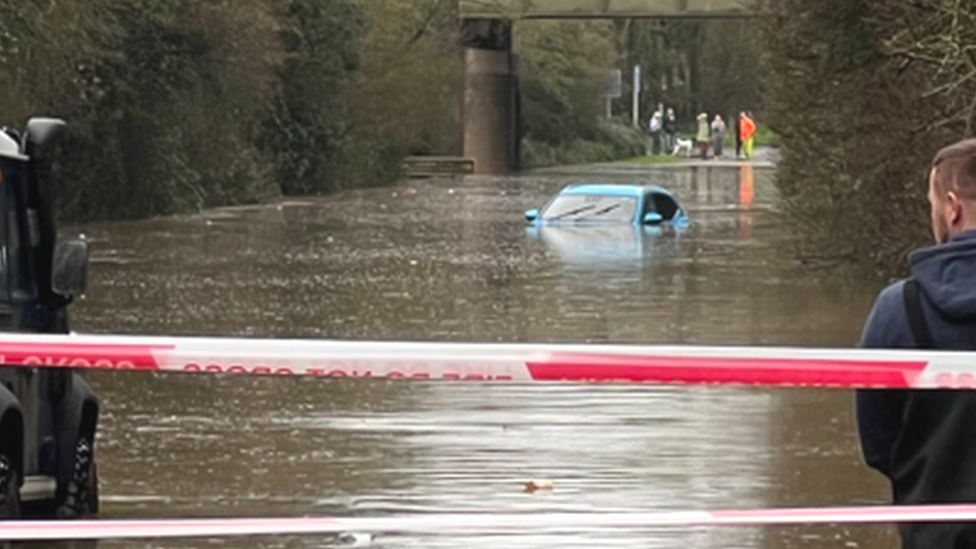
864, 92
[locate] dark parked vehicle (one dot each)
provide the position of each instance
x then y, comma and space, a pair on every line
48, 416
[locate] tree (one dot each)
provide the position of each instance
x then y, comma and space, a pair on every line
857, 135
308, 121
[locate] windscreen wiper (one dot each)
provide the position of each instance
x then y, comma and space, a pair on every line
606, 210
573, 212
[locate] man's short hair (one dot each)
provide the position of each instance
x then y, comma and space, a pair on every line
955, 168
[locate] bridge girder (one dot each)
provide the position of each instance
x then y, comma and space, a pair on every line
603, 9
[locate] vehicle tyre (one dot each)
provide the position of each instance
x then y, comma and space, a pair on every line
81, 496
9, 490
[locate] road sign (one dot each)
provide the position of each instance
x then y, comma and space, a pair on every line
614, 84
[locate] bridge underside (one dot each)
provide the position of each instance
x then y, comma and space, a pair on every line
602, 9
491, 98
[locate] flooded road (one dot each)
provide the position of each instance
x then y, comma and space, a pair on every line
454, 261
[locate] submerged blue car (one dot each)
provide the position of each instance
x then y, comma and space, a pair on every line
610, 203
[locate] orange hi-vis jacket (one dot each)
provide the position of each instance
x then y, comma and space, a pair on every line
747, 128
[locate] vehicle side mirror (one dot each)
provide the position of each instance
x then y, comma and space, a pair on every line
43, 135
69, 272
653, 218
531, 215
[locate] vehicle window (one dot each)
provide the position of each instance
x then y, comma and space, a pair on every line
11, 278
591, 207
6, 223
662, 204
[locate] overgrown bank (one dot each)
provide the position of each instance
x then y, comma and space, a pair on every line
176, 105
606, 140
864, 92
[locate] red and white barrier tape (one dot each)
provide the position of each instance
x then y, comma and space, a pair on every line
475, 523
757, 366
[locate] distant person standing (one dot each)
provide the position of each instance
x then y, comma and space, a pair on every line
748, 133
655, 127
670, 127
718, 135
737, 128
703, 137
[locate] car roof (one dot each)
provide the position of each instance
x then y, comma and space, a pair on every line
612, 189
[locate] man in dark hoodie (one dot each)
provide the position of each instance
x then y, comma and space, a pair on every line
924, 441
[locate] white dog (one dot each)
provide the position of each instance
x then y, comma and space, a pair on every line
682, 145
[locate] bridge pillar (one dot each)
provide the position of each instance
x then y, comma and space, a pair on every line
491, 104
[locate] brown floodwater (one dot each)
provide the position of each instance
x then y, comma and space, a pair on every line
453, 260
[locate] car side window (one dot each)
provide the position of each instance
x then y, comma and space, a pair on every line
662, 204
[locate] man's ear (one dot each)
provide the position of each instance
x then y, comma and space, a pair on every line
955, 207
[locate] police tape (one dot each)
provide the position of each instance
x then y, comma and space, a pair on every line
593, 363
476, 523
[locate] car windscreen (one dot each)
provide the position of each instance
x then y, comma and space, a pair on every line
591, 207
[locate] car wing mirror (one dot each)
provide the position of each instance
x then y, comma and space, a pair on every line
653, 218
69, 273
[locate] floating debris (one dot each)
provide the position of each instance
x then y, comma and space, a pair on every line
350, 539
536, 485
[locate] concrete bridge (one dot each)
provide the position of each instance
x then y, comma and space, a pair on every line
491, 98
600, 9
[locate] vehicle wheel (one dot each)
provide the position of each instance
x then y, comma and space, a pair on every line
9, 490
81, 496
